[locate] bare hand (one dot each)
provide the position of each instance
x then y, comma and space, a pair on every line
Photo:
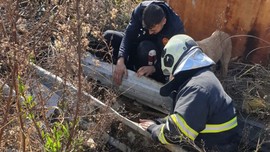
145, 123
146, 71
119, 71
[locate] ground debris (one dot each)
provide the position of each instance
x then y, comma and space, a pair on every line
249, 87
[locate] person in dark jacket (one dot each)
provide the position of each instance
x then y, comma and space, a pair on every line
203, 113
139, 48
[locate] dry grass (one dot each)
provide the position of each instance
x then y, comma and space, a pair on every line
249, 86
55, 35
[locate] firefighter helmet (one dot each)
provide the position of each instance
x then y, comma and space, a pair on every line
182, 53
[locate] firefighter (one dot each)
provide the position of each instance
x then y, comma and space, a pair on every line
203, 113
139, 48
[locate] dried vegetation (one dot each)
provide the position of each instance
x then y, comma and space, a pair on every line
54, 35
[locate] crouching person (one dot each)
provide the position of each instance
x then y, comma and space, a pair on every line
203, 114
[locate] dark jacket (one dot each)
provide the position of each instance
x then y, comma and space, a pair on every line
135, 33
202, 112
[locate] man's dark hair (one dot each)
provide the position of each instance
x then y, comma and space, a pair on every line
152, 15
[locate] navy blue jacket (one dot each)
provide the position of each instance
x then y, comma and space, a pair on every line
135, 33
202, 111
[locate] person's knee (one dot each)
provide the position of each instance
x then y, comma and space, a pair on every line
144, 47
148, 45
111, 34
143, 54
108, 34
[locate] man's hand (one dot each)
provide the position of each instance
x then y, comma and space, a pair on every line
146, 71
145, 123
119, 71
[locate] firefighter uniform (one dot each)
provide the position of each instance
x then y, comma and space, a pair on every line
203, 113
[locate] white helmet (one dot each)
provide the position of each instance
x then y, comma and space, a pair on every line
182, 53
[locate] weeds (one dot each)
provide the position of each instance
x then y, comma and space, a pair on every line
52, 34
54, 138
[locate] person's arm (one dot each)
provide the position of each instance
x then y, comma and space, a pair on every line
177, 25
174, 24
126, 45
188, 120
131, 33
172, 131
119, 71
146, 70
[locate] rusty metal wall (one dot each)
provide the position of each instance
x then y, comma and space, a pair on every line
239, 18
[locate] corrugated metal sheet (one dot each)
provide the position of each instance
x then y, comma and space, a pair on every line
236, 17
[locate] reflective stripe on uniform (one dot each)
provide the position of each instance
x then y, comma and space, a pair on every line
184, 127
216, 128
161, 136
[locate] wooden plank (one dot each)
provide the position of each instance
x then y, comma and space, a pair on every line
143, 90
